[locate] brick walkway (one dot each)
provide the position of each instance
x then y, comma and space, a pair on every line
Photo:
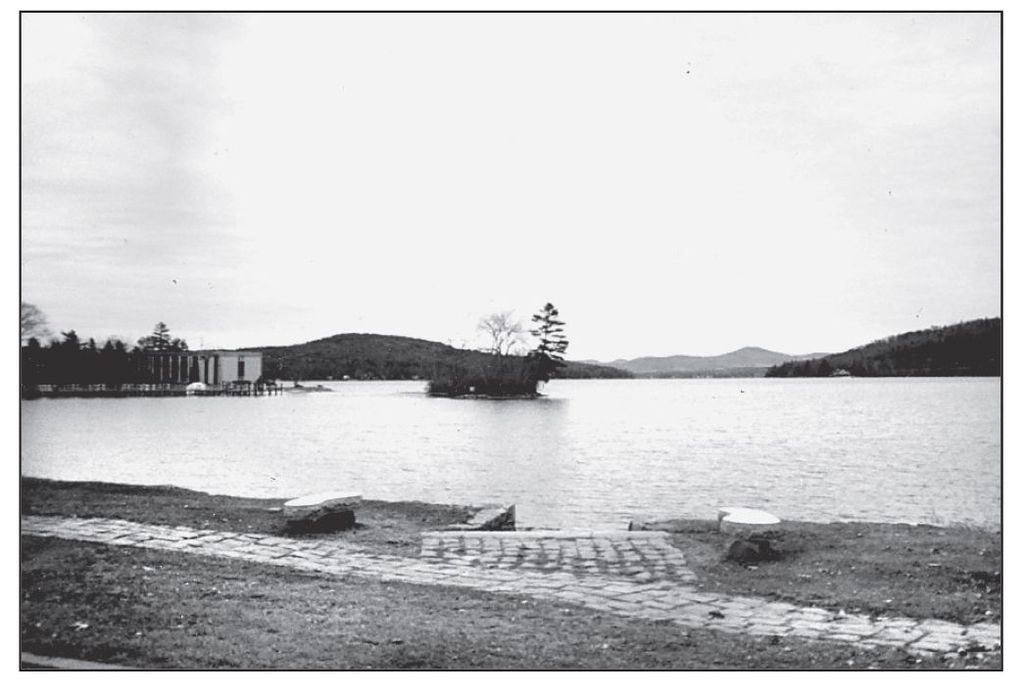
632, 574
638, 556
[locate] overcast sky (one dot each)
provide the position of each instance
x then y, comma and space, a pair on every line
674, 184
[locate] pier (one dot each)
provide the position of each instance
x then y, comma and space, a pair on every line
158, 390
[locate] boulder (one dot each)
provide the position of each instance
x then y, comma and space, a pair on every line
494, 518
750, 551
489, 518
324, 512
750, 533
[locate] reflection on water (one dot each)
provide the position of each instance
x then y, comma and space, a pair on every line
590, 454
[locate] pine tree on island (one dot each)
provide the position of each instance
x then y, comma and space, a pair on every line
548, 356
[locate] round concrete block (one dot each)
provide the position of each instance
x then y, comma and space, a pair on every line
736, 520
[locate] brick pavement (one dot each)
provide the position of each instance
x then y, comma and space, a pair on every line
632, 574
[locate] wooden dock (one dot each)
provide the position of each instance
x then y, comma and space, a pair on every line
159, 390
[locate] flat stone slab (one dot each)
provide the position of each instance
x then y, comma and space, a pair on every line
489, 518
304, 504
495, 518
734, 519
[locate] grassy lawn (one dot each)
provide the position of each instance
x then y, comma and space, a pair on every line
892, 570
382, 526
154, 609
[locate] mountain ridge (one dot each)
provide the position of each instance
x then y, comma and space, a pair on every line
743, 358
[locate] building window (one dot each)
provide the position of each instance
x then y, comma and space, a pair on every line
241, 369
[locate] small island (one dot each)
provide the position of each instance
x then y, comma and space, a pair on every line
499, 373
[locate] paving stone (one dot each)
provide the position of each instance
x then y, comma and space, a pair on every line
757, 619
636, 597
858, 630
116, 541
882, 642
811, 627
162, 544
933, 644
804, 615
984, 633
768, 629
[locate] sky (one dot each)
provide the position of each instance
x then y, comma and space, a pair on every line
673, 183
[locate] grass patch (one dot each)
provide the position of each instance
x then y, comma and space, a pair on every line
156, 609
381, 526
882, 569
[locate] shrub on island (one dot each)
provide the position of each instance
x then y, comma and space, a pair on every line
486, 375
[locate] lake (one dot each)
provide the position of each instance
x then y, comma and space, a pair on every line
589, 454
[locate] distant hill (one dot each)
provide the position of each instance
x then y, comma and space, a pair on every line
973, 348
748, 361
363, 356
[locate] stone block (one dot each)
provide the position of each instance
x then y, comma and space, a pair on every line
490, 518
326, 512
735, 520
750, 533
494, 518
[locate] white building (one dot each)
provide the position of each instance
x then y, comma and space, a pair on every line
212, 367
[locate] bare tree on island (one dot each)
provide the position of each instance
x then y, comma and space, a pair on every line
548, 356
503, 330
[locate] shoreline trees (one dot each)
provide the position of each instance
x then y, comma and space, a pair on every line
160, 340
70, 361
971, 348
34, 325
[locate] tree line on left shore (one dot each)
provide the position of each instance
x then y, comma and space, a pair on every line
68, 359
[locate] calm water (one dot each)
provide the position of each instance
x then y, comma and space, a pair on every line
592, 453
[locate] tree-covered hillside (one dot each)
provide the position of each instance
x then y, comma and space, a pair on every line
973, 348
386, 357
